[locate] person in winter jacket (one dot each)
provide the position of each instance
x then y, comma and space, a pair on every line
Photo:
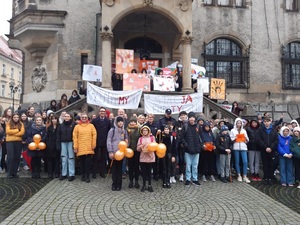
168, 166
37, 127
223, 145
192, 145
147, 158
285, 157
133, 131
52, 153
74, 97
295, 149
240, 138
254, 153
14, 132
84, 140
267, 142
64, 144
115, 135
208, 155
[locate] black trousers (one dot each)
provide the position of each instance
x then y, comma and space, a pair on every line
14, 150
297, 169
116, 172
166, 168
36, 164
100, 160
268, 164
146, 172
134, 167
53, 164
181, 160
4, 152
85, 162
208, 162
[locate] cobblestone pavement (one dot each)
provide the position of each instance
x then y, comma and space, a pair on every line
63, 202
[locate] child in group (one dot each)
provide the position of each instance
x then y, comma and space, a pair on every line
240, 138
208, 154
147, 158
134, 162
223, 143
37, 127
168, 166
114, 136
295, 149
285, 157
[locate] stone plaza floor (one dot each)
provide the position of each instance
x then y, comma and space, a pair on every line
77, 202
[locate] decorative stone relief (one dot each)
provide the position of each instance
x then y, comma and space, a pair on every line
148, 2
186, 40
184, 6
39, 79
110, 3
106, 35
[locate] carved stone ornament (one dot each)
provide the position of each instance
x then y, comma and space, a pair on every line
110, 3
39, 79
106, 35
186, 40
184, 5
148, 2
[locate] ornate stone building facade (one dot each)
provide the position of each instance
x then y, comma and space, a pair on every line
254, 45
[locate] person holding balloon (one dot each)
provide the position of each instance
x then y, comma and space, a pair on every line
147, 157
115, 135
14, 132
36, 134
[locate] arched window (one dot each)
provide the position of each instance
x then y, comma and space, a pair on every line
224, 59
291, 66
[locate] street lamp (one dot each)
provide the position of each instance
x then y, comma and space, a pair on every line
13, 90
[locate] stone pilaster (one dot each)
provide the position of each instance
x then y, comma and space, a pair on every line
186, 42
106, 59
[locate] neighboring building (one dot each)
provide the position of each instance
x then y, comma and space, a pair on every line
254, 45
10, 76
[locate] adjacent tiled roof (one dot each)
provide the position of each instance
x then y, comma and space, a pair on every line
7, 52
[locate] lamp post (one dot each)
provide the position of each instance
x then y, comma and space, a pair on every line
13, 90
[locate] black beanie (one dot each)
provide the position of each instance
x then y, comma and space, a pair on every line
119, 118
191, 114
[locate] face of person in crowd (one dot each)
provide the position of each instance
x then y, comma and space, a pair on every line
120, 124
16, 118
294, 124
141, 119
54, 120
296, 133
39, 121
44, 115
166, 130
150, 119
224, 132
67, 117
267, 123
111, 116
183, 117
121, 112
132, 123
23, 116
84, 118
65, 97
145, 132
254, 124
94, 116
238, 124
31, 111
192, 120
37, 114
286, 132
125, 116
221, 124
207, 128
9, 112
200, 122
102, 112
134, 115
63, 114
74, 93
53, 103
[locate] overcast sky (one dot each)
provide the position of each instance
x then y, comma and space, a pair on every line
5, 14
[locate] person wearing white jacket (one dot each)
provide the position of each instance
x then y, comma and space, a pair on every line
240, 138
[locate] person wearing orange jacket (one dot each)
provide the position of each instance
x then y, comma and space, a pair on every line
84, 140
14, 133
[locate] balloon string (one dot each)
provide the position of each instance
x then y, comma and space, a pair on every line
110, 167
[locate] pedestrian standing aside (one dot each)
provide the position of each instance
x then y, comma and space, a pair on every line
84, 140
115, 135
147, 158
14, 133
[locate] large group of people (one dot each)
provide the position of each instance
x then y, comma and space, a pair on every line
201, 149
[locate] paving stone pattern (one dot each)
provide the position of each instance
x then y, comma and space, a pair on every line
63, 202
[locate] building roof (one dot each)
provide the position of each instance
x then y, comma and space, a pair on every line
7, 52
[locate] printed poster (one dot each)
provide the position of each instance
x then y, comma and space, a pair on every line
148, 64
217, 89
92, 73
136, 81
163, 83
124, 60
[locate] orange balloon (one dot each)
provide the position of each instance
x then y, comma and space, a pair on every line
161, 148
129, 153
160, 154
32, 146
152, 147
41, 145
37, 138
122, 146
119, 155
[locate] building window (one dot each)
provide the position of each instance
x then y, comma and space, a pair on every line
224, 59
3, 90
3, 69
291, 66
237, 3
209, 2
12, 73
224, 2
84, 60
291, 5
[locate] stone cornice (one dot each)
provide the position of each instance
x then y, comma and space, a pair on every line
37, 13
41, 27
186, 40
106, 35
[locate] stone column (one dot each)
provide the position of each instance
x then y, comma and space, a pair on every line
186, 42
106, 59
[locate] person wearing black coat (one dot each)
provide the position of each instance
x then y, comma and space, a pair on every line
223, 145
52, 153
102, 125
36, 155
74, 97
267, 142
192, 144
